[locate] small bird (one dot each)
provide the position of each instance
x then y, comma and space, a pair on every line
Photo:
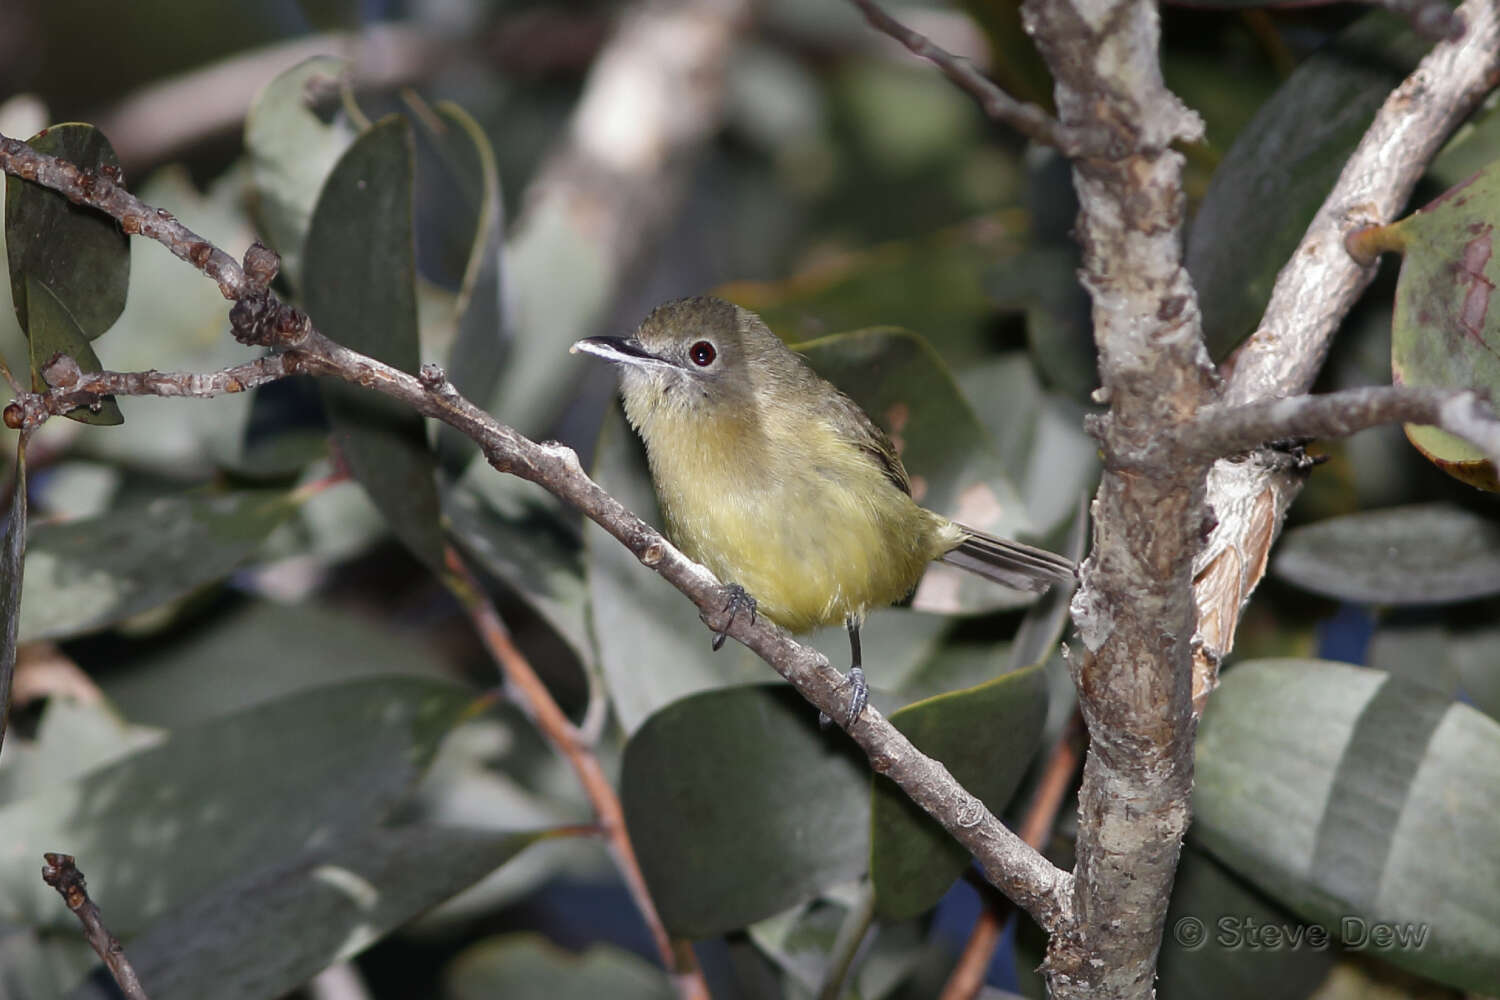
780, 484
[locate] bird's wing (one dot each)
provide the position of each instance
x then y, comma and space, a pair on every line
855, 424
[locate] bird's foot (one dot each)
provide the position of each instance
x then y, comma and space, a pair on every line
737, 599
859, 697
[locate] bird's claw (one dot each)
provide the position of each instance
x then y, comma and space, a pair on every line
737, 600
859, 697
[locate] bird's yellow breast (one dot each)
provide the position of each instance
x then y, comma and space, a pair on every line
803, 519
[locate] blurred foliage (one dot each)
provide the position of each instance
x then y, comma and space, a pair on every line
263, 730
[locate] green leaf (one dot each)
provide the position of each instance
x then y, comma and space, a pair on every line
44, 965
562, 281
1359, 800
12, 567
934, 284
264, 934
986, 737
519, 533
1043, 280
1225, 941
1420, 554
78, 254
1289, 157
1442, 333
174, 319
905, 388
474, 359
739, 806
228, 798
292, 151
361, 291
800, 942
252, 654
524, 966
1471, 148
1477, 656
54, 331
72, 738
82, 575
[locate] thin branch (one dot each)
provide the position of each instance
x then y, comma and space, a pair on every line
105, 190
1312, 295
259, 318
1321, 281
72, 388
969, 974
63, 875
1228, 429
554, 725
1028, 119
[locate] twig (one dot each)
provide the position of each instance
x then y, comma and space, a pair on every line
554, 725
1028, 119
968, 976
72, 388
1229, 429
61, 874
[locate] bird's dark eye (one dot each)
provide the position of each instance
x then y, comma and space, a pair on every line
702, 353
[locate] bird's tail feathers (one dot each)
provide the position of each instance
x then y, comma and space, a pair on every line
1010, 564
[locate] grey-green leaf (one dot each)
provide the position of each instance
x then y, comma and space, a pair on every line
474, 359
1225, 941
528, 965
739, 807
253, 653
1359, 800
518, 532
361, 291
1419, 554
229, 797
53, 331
986, 737
291, 153
1280, 169
265, 933
84, 574
78, 254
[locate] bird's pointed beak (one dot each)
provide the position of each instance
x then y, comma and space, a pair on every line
621, 351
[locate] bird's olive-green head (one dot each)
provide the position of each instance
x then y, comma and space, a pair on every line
704, 358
